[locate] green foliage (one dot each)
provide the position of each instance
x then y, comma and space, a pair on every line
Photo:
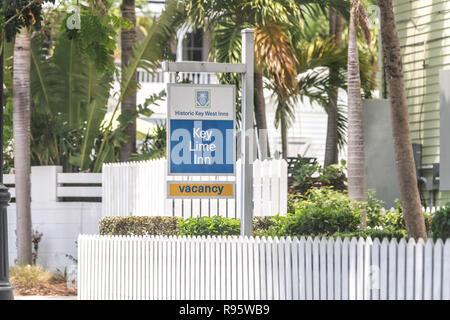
302, 173
53, 141
307, 173
393, 219
322, 212
138, 226
267, 226
374, 208
209, 226
153, 145
146, 55
15, 14
440, 225
97, 36
374, 233
200, 226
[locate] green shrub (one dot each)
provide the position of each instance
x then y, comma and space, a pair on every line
373, 233
209, 226
138, 226
374, 209
307, 173
440, 225
378, 217
322, 212
267, 226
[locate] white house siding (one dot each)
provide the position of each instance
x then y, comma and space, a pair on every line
424, 32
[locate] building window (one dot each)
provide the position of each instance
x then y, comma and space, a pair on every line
193, 49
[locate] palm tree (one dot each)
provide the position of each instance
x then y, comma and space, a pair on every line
21, 125
404, 159
147, 54
313, 82
274, 54
355, 151
331, 144
128, 40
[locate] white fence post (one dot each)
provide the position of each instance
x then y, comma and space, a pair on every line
44, 183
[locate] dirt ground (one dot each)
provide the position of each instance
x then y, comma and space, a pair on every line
47, 289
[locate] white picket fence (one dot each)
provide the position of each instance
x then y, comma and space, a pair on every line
139, 189
230, 268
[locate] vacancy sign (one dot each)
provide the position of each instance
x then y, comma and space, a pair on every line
200, 138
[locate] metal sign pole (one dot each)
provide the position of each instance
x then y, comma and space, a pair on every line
247, 134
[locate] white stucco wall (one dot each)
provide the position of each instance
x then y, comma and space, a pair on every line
60, 223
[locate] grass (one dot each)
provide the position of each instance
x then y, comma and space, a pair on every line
29, 276
35, 280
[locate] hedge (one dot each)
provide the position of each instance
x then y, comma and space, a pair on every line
168, 226
138, 226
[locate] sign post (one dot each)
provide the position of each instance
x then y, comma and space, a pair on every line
201, 139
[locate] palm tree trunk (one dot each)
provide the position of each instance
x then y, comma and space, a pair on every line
128, 39
284, 139
260, 115
331, 144
355, 152
404, 159
21, 129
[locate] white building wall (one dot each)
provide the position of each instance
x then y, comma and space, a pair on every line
60, 223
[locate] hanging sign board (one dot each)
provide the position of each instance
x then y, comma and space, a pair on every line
201, 136
200, 189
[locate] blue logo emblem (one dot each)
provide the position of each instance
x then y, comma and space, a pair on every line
202, 98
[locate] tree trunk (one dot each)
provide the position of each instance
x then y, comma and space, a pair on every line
404, 159
284, 139
260, 116
21, 130
331, 144
355, 151
128, 39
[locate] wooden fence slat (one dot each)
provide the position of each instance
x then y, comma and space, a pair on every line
428, 271
337, 269
316, 269
302, 268
418, 275
446, 271
392, 270
360, 246
401, 270
330, 269
410, 267
345, 269
384, 269
367, 267
375, 284
437, 270
323, 268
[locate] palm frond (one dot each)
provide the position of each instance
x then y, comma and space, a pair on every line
146, 55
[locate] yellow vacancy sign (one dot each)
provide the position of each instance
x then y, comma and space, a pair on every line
200, 190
